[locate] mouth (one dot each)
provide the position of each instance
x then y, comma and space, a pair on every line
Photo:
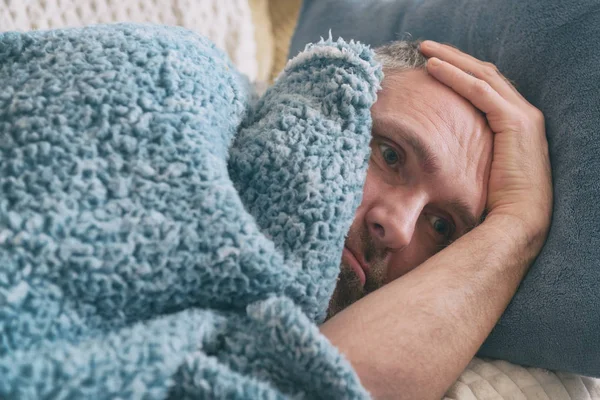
359, 269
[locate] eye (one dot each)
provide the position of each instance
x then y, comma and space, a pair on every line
390, 156
442, 226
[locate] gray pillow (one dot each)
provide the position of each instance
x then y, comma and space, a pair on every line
550, 49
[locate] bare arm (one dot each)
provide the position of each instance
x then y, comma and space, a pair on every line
412, 338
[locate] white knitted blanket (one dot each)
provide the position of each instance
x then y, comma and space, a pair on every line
228, 23
500, 380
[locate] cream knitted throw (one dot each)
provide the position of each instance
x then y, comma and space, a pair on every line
227, 23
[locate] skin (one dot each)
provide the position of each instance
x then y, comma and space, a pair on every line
413, 337
408, 211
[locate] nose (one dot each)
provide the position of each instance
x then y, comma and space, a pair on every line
392, 221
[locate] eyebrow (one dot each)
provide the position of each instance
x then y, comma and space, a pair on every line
463, 211
428, 160
430, 163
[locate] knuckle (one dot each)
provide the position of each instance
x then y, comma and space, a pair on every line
456, 77
522, 125
538, 116
481, 87
529, 121
490, 69
517, 120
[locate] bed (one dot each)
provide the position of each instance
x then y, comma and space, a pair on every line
256, 35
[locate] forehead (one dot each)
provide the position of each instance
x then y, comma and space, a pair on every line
415, 97
413, 105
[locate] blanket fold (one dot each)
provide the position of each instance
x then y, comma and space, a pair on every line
159, 236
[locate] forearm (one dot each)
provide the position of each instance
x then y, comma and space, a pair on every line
412, 338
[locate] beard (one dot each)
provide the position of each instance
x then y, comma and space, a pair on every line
349, 288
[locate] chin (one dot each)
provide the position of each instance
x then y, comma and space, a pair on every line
347, 291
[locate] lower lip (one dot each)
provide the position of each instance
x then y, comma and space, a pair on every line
353, 262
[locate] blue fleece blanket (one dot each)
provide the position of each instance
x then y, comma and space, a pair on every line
161, 238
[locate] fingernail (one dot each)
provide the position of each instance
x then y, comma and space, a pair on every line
431, 44
434, 62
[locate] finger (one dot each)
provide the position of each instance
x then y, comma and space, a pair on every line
482, 70
430, 47
485, 64
491, 68
480, 93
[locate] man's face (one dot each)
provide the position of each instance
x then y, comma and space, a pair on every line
426, 184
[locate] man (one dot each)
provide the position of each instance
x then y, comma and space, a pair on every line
431, 175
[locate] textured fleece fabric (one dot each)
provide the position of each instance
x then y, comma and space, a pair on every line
550, 49
160, 238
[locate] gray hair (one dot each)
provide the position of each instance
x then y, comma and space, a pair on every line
400, 56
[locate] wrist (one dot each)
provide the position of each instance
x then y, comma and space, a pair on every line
526, 239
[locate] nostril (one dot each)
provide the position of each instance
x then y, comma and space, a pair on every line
379, 231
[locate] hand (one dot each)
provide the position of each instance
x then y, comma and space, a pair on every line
520, 185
